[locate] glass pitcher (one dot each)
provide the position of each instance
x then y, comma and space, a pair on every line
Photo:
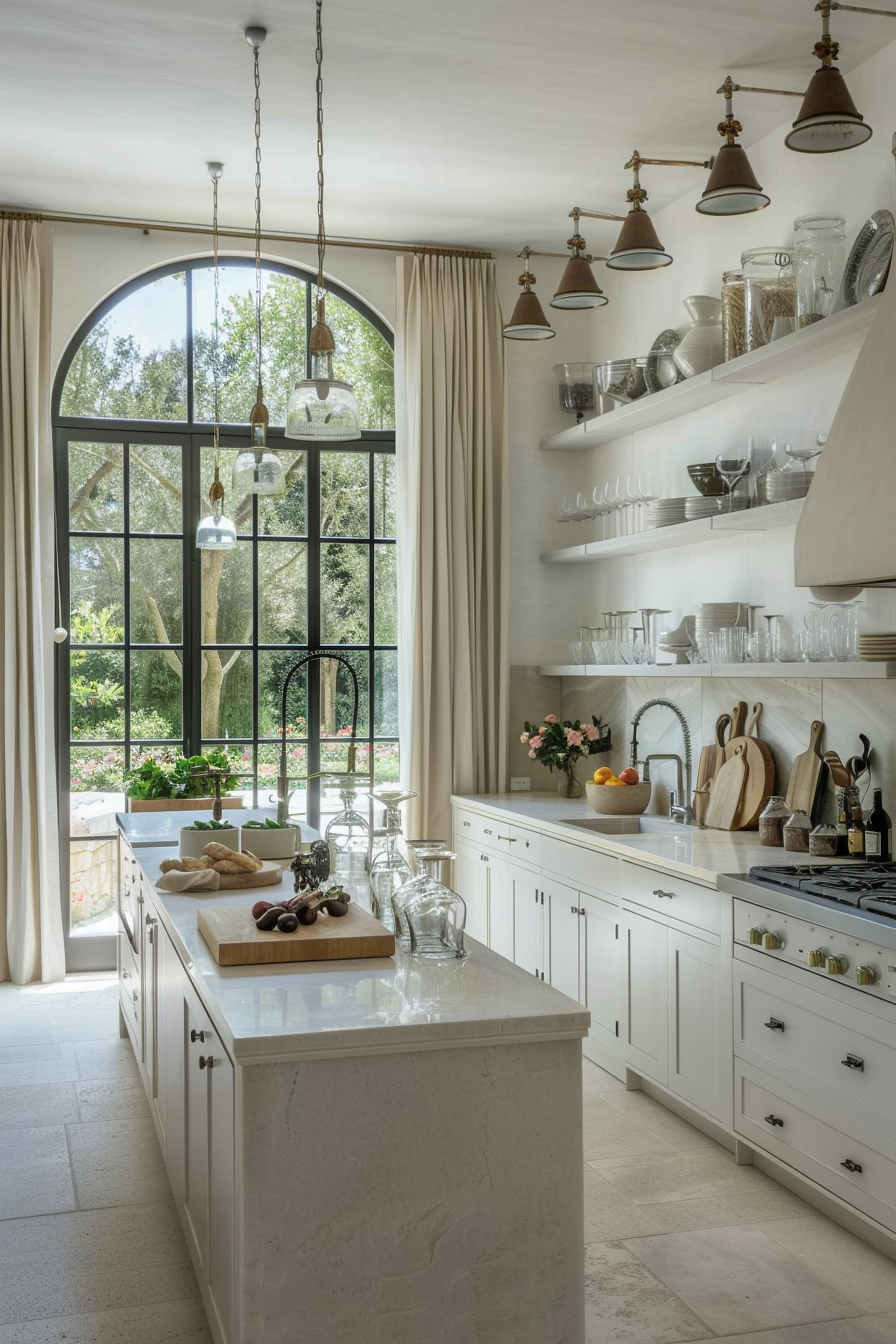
435, 917
820, 255
427, 859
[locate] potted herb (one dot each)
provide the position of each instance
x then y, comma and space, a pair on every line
194, 838
183, 784
271, 839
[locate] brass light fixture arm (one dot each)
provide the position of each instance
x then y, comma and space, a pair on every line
729, 87
579, 210
562, 256
853, 9
636, 160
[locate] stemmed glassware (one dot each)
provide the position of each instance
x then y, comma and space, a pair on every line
732, 470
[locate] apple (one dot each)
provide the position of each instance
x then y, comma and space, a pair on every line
629, 776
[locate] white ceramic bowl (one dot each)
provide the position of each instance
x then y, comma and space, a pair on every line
617, 800
192, 843
270, 842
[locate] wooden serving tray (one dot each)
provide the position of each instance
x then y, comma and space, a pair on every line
234, 940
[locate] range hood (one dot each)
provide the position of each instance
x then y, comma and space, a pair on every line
846, 535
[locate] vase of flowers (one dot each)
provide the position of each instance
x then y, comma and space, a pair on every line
560, 745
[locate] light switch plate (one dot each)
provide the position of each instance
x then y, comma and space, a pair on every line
519, 783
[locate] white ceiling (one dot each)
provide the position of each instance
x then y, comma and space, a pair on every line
472, 122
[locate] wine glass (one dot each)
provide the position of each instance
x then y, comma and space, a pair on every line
732, 471
803, 448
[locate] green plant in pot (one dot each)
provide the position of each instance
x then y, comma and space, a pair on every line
194, 838
183, 783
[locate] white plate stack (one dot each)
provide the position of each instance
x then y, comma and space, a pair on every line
716, 615
700, 506
781, 485
665, 512
878, 648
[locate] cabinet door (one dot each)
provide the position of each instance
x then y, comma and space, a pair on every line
500, 907
152, 1042
562, 907
697, 1022
527, 917
645, 1030
600, 971
471, 876
196, 1126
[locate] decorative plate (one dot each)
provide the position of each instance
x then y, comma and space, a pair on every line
869, 261
661, 370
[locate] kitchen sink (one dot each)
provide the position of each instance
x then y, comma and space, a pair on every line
623, 825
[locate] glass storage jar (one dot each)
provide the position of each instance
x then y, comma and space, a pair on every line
772, 820
796, 833
734, 332
823, 840
820, 255
769, 292
576, 383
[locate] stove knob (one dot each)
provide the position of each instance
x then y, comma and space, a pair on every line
772, 941
817, 957
866, 975
837, 965
755, 936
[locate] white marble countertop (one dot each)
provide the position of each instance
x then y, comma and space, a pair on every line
163, 827
699, 854
363, 1007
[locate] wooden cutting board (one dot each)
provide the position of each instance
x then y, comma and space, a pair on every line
726, 792
712, 759
807, 773
760, 778
234, 940
268, 875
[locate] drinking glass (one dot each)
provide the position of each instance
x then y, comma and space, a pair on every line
732, 471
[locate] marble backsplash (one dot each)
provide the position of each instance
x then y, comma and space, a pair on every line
789, 705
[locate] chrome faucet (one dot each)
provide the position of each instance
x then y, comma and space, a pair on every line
680, 801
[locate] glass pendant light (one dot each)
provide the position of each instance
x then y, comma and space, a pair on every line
215, 532
257, 471
732, 188
638, 248
527, 321
322, 407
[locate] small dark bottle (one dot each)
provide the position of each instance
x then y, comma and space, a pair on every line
856, 835
878, 833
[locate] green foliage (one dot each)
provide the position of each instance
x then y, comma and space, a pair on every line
210, 826
267, 825
180, 779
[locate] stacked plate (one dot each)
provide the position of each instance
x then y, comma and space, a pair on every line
665, 512
878, 648
716, 615
781, 485
700, 506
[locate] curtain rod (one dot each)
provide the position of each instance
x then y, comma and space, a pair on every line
157, 226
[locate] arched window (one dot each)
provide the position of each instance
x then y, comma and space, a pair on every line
174, 650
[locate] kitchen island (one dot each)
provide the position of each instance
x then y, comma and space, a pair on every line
372, 1150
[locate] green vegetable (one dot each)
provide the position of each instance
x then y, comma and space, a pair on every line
267, 825
209, 826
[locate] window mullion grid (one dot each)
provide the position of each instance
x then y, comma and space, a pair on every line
126, 594
192, 598
313, 582
256, 553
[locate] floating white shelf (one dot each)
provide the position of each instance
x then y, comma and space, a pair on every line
837, 335
762, 519
833, 671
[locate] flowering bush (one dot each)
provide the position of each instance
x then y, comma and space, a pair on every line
559, 745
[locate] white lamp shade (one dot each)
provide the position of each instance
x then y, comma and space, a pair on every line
258, 473
323, 409
827, 133
215, 533
732, 201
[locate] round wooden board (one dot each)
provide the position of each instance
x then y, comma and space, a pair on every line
759, 782
268, 875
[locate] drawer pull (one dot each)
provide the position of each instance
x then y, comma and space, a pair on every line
509, 838
196, 1036
775, 1024
486, 831
852, 1166
125, 975
854, 1062
774, 1120
206, 1062
658, 891
483, 858
466, 823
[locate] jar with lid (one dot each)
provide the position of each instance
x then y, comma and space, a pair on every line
769, 293
734, 332
771, 821
823, 840
819, 243
796, 833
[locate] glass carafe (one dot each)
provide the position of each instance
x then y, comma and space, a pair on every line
427, 858
820, 254
435, 917
769, 292
348, 836
389, 869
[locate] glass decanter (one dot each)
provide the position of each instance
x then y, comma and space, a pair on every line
427, 857
389, 869
435, 918
348, 836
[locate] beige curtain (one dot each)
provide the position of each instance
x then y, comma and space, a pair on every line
31, 937
452, 531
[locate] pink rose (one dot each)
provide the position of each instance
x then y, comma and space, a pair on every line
535, 742
591, 732
573, 738
524, 738
550, 718
531, 755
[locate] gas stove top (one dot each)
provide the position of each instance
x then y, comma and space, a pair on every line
867, 888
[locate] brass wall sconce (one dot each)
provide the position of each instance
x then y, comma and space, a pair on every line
578, 287
828, 120
638, 248
527, 321
732, 188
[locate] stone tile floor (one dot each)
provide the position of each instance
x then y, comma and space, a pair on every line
681, 1244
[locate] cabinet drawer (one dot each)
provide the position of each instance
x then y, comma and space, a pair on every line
674, 896
525, 846
129, 988
581, 867
859, 1166
848, 1053
476, 829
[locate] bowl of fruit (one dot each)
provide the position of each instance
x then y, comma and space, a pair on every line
621, 795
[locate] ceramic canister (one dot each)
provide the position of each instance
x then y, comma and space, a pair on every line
701, 346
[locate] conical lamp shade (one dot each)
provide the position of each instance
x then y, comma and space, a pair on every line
578, 287
828, 119
638, 248
732, 188
528, 322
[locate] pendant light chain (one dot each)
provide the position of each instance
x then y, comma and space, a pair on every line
257, 215
321, 233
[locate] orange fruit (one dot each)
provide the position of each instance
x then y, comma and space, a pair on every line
603, 774
615, 783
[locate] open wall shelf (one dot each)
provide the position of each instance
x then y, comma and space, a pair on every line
857, 671
840, 334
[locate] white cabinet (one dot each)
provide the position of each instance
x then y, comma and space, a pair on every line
699, 1024
471, 880
528, 934
487, 883
600, 979
153, 1040
645, 1015
561, 904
